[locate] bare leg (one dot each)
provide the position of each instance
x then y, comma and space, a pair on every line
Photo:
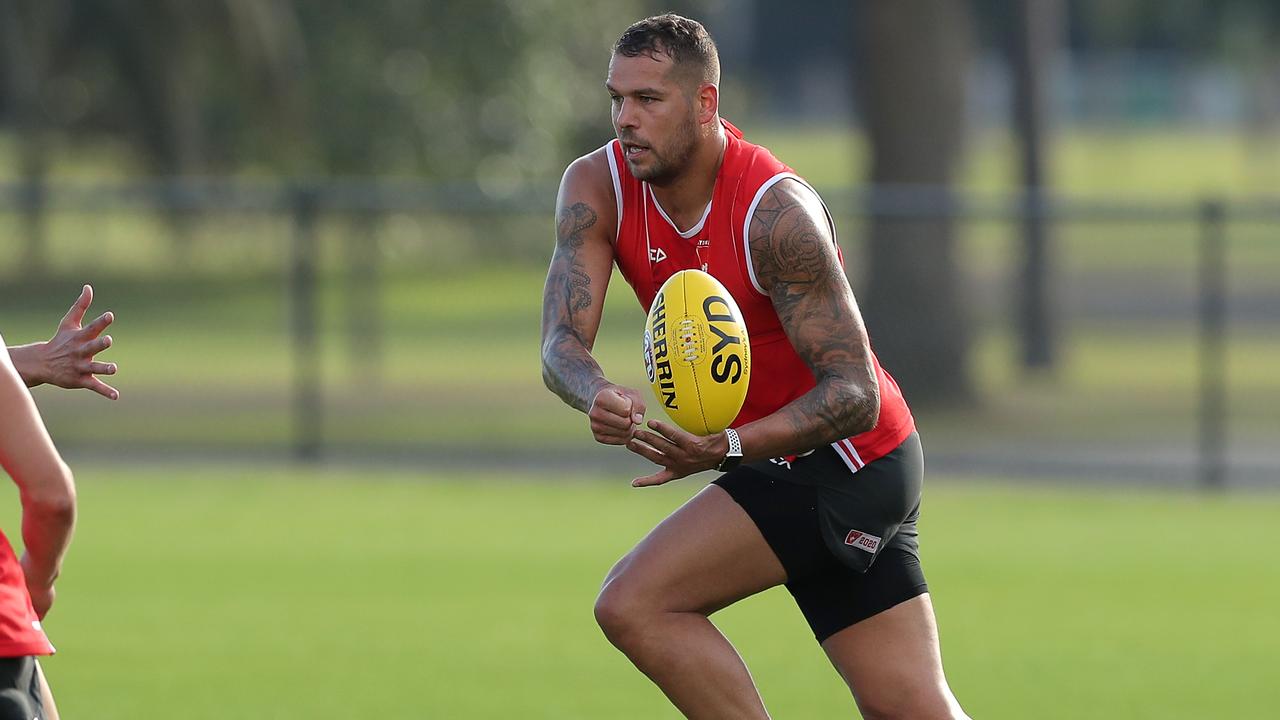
893, 664
50, 708
655, 603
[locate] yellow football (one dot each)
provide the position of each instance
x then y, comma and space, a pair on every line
696, 352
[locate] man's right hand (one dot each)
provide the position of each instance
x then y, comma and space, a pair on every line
615, 413
41, 595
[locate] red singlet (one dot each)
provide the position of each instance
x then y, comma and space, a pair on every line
20, 631
649, 249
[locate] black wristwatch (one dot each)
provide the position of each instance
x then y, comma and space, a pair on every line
734, 457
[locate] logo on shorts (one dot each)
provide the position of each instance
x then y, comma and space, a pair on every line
862, 541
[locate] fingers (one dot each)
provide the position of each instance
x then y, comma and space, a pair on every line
648, 452
671, 432
102, 388
612, 419
656, 441
611, 429
78, 308
637, 406
95, 346
661, 477
100, 323
101, 368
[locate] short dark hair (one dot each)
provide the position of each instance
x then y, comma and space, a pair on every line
683, 40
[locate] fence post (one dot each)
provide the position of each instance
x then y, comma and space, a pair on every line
364, 299
1213, 369
307, 388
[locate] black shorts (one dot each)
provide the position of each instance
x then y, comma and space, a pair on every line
848, 541
20, 697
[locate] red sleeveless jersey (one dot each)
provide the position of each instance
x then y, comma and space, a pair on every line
20, 631
649, 249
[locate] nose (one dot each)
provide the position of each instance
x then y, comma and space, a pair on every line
626, 117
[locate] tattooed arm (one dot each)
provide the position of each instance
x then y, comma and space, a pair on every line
573, 299
795, 259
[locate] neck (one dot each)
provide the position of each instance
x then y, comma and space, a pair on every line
685, 197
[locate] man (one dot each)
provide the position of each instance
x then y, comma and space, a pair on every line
823, 467
47, 492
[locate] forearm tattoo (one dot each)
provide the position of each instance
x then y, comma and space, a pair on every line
798, 266
567, 366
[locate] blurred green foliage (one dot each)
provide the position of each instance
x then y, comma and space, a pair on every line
487, 90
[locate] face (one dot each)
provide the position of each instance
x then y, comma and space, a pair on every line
654, 116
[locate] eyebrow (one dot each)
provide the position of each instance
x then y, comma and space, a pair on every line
638, 91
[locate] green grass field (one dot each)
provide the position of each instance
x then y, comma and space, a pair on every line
247, 592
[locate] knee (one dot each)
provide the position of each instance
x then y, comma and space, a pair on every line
620, 611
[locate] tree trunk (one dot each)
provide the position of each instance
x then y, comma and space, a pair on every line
25, 38
911, 82
1033, 43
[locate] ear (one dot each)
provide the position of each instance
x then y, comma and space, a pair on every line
708, 99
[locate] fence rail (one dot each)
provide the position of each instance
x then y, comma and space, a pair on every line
307, 200
354, 194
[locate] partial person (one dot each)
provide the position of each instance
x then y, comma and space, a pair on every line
823, 468
47, 492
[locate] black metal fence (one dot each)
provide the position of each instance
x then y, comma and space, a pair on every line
307, 206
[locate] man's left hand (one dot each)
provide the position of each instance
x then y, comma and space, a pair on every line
679, 453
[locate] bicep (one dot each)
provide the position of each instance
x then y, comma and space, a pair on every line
27, 452
796, 261
573, 297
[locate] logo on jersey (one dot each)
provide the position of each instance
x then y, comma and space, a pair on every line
863, 541
657, 255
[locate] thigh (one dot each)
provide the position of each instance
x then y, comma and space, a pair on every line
893, 664
706, 555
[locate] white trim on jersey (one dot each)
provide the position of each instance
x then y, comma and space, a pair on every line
617, 186
751, 210
687, 233
644, 218
844, 448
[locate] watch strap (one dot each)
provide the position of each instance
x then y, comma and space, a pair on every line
734, 457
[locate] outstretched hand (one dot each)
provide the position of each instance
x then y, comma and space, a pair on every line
679, 453
67, 359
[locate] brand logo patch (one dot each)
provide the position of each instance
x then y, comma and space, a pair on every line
657, 255
862, 541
